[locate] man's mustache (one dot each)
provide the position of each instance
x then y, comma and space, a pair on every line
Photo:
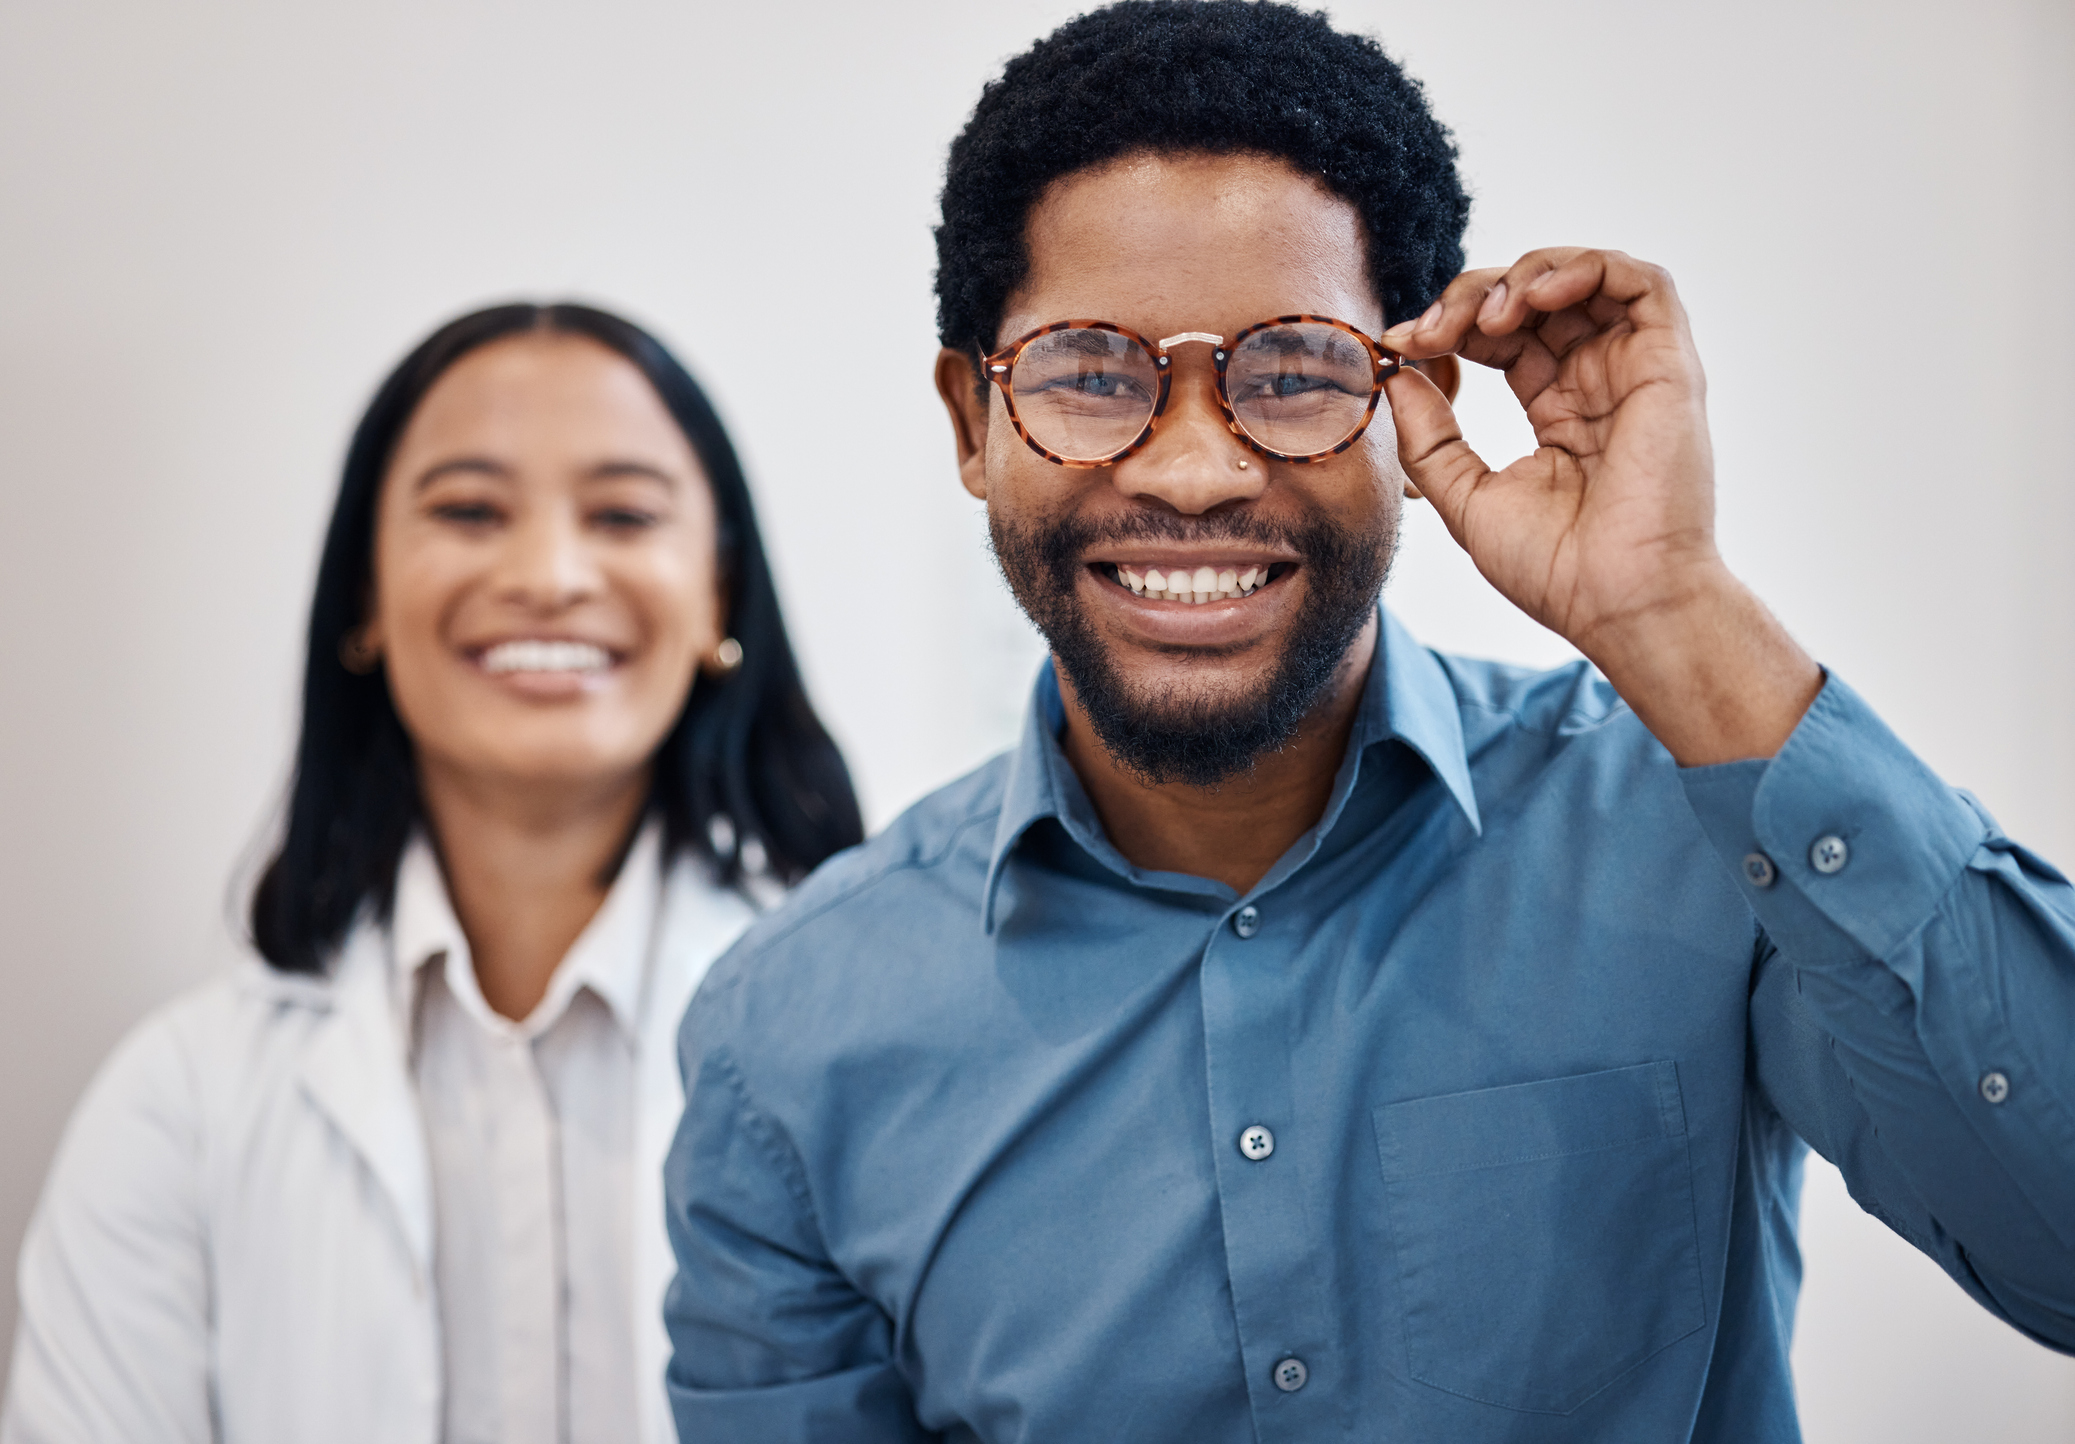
1073, 536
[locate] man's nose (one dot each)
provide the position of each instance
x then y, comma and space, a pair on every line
1194, 463
547, 562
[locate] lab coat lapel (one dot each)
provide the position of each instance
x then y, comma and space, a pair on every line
357, 1074
697, 924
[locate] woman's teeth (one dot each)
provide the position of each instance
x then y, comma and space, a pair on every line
542, 656
1202, 585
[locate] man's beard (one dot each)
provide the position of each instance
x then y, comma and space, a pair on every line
1176, 735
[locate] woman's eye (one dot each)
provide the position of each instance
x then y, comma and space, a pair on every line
624, 518
466, 513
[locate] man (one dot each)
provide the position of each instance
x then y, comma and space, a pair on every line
1300, 1035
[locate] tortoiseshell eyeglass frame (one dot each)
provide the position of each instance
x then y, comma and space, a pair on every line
1001, 369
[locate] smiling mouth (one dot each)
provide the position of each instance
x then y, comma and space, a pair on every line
1203, 584
533, 654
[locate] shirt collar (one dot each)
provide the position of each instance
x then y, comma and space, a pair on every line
1407, 697
610, 956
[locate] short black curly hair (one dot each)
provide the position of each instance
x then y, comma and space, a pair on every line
1223, 76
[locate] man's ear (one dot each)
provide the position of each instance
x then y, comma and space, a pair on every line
1445, 372
964, 397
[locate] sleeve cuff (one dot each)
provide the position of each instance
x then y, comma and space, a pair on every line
1845, 821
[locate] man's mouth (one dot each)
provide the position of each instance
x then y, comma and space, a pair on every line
1196, 585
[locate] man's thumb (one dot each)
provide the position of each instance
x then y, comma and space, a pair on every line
1437, 461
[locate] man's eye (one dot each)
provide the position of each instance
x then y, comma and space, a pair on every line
1295, 383
1099, 385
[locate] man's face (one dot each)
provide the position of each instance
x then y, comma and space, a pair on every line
1190, 691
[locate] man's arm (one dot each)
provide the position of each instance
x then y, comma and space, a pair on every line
1916, 988
1914, 1001
769, 1341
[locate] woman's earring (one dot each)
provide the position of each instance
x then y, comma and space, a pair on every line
357, 654
727, 656
1242, 463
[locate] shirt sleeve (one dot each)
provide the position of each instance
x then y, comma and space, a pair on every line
1914, 1000
769, 1341
112, 1342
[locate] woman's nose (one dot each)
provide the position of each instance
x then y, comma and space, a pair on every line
1194, 462
547, 561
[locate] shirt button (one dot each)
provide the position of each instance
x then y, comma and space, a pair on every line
1829, 854
1256, 1142
1247, 921
1758, 870
1290, 1375
1995, 1085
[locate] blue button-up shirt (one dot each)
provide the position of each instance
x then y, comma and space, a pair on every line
1479, 1118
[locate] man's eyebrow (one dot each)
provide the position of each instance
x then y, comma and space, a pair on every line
479, 465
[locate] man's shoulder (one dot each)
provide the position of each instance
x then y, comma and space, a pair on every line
1570, 699
918, 878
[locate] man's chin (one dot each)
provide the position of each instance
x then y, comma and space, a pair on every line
1218, 690
1175, 727
1190, 714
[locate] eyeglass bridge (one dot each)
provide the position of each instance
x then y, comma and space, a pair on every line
1181, 336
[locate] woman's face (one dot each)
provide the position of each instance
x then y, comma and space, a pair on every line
545, 575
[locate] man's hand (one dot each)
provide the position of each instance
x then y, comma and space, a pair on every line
1606, 534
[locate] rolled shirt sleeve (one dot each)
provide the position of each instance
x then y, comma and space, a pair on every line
1914, 1006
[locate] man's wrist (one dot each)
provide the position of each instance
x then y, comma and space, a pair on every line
1712, 674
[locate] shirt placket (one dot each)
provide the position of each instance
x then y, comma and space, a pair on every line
523, 1140
1263, 1156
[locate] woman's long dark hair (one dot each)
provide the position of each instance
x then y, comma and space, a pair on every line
747, 767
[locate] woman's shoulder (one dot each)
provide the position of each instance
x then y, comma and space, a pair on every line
205, 1048
701, 916
163, 1048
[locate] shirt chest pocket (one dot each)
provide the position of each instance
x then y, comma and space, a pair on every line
1544, 1233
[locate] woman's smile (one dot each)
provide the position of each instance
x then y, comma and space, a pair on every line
547, 668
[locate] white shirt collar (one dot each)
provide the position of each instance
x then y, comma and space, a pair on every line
610, 957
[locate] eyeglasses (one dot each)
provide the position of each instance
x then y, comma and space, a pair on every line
1089, 393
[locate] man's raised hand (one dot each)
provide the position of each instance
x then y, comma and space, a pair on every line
1605, 534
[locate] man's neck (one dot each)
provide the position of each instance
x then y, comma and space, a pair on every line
1236, 831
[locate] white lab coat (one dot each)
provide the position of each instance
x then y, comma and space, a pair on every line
235, 1242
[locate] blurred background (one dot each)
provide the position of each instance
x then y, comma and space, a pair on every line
221, 222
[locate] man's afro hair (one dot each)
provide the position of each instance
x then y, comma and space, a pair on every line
1222, 76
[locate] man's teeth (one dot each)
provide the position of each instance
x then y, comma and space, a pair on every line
544, 656
1202, 585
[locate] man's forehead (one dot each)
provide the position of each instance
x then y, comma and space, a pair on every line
1242, 236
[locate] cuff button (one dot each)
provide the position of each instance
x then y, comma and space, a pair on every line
1758, 870
1995, 1085
1829, 854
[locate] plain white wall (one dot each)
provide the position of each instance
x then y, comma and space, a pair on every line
220, 222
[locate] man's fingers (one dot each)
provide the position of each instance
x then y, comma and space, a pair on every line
1642, 292
1444, 325
1431, 447
1496, 302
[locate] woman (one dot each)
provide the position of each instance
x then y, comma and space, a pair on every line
400, 1182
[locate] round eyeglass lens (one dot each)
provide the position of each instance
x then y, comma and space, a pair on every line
1301, 388
1084, 394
